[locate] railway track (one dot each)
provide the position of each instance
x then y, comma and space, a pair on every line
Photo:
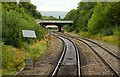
107, 57
69, 60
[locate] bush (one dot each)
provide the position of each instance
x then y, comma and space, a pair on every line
12, 58
37, 49
13, 24
85, 34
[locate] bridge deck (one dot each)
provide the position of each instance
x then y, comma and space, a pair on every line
54, 21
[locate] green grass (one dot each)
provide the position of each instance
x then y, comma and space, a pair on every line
13, 59
8, 72
38, 49
108, 39
0, 58
0, 72
113, 40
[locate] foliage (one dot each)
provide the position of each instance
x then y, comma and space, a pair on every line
31, 9
96, 18
48, 17
12, 27
72, 15
85, 34
14, 22
103, 19
37, 50
80, 16
16, 18
85, 12
13, 59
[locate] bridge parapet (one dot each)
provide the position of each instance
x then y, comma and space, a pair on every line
59, 23
55, 21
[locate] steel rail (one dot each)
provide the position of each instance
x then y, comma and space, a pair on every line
60, 60
116, 56
78, 58
62, 56
102, 59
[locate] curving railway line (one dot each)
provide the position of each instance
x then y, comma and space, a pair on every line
109, 58
69, 60
73, 61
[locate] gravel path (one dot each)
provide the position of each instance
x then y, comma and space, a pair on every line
45, 65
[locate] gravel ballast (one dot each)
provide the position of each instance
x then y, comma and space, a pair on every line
90, 63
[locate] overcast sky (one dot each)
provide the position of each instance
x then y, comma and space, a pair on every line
55, 5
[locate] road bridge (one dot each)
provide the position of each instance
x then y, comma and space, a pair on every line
59, 23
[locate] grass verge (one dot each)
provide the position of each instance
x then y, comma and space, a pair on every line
13, 59
113, 40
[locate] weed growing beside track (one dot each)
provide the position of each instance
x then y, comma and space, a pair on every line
13, 59
113, 39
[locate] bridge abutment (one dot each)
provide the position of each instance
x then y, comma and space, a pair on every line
59, 28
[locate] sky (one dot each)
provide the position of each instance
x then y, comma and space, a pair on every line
55, 5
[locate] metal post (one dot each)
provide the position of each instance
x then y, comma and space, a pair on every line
29, 62
26, 49
28, 34
26, 52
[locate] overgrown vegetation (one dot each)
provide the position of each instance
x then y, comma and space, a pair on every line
13, 59
15, 18
14, 21
101, 20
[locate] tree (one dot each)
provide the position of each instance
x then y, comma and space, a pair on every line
14, 20
103, 19
95, 22
97, 18
59, 17
81, 16
72, 15
85, 13
31, 9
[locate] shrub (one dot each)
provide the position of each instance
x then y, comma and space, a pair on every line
12, 58
13, 24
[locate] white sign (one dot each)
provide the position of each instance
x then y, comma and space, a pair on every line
29, 33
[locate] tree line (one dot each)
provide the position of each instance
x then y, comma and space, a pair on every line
95, 17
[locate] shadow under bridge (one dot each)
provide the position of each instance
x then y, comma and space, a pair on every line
59, 23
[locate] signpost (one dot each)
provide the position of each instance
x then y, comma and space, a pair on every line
47, 38
28, 34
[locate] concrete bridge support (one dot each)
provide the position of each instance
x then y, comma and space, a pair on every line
60, 28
